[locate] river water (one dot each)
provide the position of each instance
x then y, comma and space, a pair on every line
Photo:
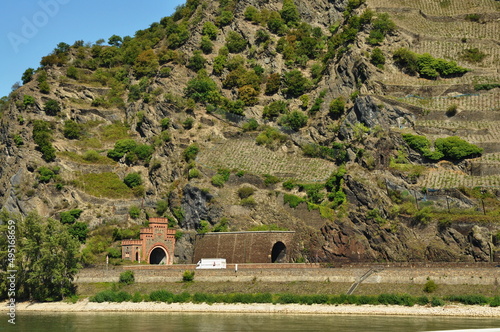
210, 322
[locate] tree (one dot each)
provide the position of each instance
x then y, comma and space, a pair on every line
456, 148
196, 62
133, 180
295, 83
289, 13
72, 130
294, 120
337, 107
52, 107
146, 63
235, 42
115, 40
46, 258
210, 30
274, 109
202, 89
27, 75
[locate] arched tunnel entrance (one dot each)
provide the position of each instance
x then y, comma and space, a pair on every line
158, 256
278, 254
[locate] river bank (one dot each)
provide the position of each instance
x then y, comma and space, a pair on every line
321, 309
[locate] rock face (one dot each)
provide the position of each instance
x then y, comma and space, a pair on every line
138, 90
196, 206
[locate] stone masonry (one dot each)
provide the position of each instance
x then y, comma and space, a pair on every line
156, 244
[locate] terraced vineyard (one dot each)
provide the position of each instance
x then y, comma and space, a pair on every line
484, 101
445, 29
441, 178
246, 155
441, 7
472, 131
453, 50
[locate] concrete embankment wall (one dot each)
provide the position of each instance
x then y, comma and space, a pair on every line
480, 274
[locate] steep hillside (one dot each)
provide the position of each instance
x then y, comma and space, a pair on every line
370, 128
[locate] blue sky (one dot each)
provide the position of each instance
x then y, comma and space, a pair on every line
31, 29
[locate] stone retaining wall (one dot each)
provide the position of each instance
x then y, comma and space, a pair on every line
482, 274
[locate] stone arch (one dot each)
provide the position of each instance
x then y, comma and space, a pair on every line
278, 253
158, 255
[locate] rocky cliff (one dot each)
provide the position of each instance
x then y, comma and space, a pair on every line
239, 115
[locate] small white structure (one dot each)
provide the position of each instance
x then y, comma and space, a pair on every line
211, 263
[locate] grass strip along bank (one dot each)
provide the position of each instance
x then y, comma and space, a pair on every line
287, 298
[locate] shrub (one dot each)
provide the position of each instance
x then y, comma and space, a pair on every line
294, 120
337, 107
190, 152
273, 83
210, 30
426, 65
165, 123
69, 217
206, 46
251, 13
248, 202
292, 200
72, 130
437, 302
486, 86
27, 75
377, 57
46, 174
235, 42
289, 184
52, 107
495, 302
382, 25
250, 125
417, 143
270, 179
295, 83
270, 137
289, 13
245, 192
91, 156
134, 212
18, 140
122, 147
274, 109
79, 230
188, 276
114, 252
451, 110
224, 18
42, 137
188, 123
110, 296
193, 173
197, 61
202, 89
127, 277
456, 148
275, 23
133, 180
72, 72
430, 286
221, 226
218, 180
161, 296
28, 101
473, 55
